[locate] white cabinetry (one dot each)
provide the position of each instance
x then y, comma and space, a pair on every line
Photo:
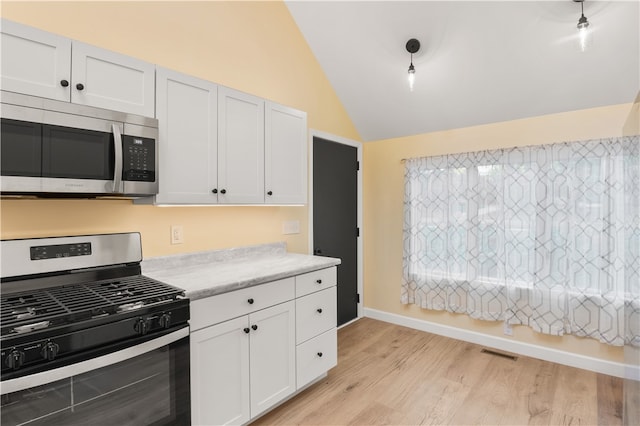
240, 147
187, 110
220, 374
39, 63
316, 318
285, 155
242, 366
255, 347
35, 62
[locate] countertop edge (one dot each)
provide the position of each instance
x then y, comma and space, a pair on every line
194, 295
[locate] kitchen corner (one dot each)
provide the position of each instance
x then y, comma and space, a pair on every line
262, 326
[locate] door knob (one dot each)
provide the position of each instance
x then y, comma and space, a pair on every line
80, 86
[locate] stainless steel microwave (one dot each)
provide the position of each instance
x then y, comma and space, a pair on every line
54, 148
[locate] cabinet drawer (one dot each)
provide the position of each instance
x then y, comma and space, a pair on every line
315, 314
315, 281
222, 307
316, 356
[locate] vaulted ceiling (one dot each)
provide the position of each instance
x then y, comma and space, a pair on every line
479, 62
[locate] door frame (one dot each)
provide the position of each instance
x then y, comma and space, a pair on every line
358, 145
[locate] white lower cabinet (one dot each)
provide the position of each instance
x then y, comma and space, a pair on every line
253, 348
220, 374
272, 356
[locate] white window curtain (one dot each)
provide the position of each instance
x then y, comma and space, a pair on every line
545, 236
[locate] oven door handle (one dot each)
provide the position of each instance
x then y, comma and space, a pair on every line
44, 377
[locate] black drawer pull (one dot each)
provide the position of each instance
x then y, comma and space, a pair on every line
320, 354
319, 281
254, 327
319, 310
250, 301
246, 329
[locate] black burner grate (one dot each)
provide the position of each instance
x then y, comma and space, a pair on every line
78, 302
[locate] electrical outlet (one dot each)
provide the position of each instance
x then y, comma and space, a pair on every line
177, 234
291, 227
508, 330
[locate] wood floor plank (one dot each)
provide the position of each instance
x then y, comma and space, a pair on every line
388, 374
609, 400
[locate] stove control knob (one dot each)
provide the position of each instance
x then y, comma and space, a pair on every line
165, 320
50, 350
15, 359
141, 326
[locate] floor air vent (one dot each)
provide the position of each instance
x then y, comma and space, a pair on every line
507, 356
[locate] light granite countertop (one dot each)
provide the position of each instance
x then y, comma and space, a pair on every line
208, 273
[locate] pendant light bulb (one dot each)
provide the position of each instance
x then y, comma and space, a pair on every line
411, 76
584, 34
412, 47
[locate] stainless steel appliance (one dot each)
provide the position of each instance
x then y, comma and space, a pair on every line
54, 148
86, 339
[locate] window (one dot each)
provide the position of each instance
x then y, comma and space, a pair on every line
546, 236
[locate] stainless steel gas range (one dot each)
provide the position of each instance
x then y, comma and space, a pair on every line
86, 339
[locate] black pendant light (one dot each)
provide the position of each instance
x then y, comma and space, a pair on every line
413, 45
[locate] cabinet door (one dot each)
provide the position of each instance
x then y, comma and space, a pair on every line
240, 147
187, 112
272, 356
106, 79
35, 62
220, 374
285, 155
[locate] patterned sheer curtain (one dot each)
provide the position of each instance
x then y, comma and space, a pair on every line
545, 236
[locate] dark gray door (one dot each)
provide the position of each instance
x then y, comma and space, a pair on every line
335, 217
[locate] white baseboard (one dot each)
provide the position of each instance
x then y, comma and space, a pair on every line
610, 368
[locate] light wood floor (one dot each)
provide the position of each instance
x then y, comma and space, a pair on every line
388, 374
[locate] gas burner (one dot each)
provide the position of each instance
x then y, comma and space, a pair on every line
25, 312
130, 306
31, 327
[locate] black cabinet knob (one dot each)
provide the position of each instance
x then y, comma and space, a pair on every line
214, 190
80, 86
250, 301
270, 193
246, 329
319, 281
223, 191
254, 327
319, 310
64, 83
320, 354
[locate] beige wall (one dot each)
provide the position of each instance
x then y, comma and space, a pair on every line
250, 46
383, 201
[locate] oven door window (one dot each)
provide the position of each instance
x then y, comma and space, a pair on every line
77, 154
149, 389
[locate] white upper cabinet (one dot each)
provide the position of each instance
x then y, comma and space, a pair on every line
106, 79
187, 111
39, 63
285, 155
35, 62
240, 147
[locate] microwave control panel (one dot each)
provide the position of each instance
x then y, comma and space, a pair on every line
139, 159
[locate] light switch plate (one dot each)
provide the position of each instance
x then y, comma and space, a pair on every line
177, 234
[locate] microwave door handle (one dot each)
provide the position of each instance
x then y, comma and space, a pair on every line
117, 170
